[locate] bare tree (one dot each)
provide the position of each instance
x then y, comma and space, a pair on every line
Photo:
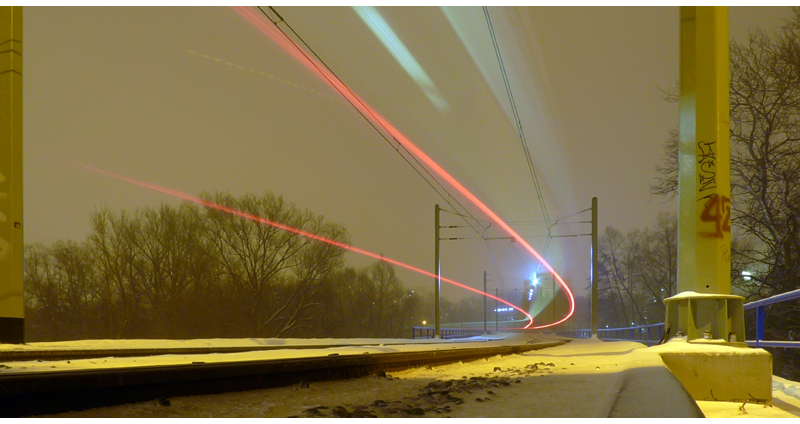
637, 271
169, 260
666, 184
765, 165
256, 259
61, 293
118, 291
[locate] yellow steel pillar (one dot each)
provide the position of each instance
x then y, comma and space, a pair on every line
712, 191
704, 311
11, 303
704, 307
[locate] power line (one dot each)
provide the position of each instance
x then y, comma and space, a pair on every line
518, 123
393, 145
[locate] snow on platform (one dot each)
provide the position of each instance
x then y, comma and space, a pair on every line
292, 348
581, 379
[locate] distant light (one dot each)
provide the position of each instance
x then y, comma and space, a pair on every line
535, 280
424, 322
746, 275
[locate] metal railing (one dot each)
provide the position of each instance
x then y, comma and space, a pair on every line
761, 314
447, 333
640, 333
578, 334
635, 333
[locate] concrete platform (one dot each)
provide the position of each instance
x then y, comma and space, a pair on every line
581, 379
714, 372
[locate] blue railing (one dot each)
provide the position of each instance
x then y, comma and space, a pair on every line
447, 333
648, 334
635, 333
761, 313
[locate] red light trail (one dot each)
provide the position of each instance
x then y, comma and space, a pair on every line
232, 211
269, 29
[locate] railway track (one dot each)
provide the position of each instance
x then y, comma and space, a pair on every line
48, 392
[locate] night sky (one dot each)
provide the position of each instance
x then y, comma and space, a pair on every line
197, 100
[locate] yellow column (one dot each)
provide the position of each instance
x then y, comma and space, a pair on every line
704, 153
704, 307
687, 228
712, 164
704, 312
11, 242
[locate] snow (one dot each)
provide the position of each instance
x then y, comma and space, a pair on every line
695, 295
325, 348
203, 343
587, 378
785, 404
679, 344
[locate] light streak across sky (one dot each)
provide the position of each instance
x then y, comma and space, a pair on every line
266, 27
255, 218
392, 42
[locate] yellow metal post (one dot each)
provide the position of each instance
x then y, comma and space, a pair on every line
704, 311
712, 153
11, 242
704, 307
687, 228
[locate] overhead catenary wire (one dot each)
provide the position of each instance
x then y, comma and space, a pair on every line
557, 220
395, 145
344, 89
294, 49
520, 130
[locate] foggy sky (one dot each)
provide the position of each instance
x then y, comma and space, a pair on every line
197, 100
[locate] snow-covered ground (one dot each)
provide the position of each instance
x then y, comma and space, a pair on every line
582, 379
291, 348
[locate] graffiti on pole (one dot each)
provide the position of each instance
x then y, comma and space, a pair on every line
706, 170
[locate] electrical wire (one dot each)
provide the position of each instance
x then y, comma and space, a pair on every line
355, 100
520, 130
370, 122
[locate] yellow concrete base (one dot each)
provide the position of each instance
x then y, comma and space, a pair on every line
720, 373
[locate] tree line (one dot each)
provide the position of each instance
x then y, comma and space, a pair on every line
191, 271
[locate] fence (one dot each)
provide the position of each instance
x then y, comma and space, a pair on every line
577, 334
635, 333
640, 333
761, 314
447, 333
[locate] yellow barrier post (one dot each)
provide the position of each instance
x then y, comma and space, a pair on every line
11, 242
